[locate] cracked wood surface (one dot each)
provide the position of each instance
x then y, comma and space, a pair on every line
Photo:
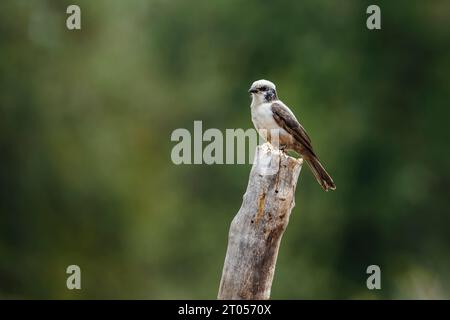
256, 231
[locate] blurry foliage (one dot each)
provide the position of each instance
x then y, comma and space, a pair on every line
85, 124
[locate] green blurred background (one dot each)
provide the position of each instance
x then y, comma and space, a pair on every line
86, 117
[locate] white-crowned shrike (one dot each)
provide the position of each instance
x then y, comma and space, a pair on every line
269, 114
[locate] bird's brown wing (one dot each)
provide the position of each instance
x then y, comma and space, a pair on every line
285, 120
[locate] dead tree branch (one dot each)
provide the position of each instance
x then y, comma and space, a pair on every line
256, 231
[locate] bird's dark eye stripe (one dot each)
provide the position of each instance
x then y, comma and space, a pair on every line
263, 88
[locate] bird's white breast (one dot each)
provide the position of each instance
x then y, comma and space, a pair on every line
266, 125
262, 117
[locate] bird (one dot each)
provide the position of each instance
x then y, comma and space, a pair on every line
269, 113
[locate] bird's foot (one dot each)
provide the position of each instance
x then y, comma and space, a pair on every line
283, 148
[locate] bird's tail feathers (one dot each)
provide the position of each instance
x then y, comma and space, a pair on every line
322, 176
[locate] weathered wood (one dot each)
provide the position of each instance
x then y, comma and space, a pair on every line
256, 231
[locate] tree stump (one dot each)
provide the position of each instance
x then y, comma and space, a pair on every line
256, 231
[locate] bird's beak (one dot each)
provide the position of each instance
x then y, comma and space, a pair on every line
251, 90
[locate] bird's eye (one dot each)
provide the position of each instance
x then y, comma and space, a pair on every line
263, 89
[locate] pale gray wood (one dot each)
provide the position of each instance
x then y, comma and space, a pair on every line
256, 231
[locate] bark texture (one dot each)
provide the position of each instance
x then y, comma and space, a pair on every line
256, 231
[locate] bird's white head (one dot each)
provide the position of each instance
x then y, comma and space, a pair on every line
263, 91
